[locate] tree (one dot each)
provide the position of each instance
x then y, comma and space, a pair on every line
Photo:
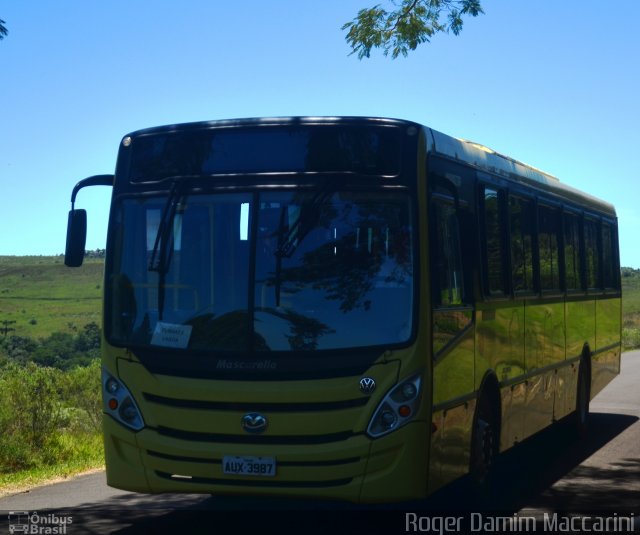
3, 30
413, 22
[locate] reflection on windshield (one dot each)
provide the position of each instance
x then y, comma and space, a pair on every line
315, 270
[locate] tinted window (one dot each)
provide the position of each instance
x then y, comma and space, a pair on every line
572, 252
591, 253
364, 150
274, 271
609, 256
549, 250
522, 229
494, 248
445, 254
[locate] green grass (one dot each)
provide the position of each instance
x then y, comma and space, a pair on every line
78, 455
39, 295
631, 295
631, 309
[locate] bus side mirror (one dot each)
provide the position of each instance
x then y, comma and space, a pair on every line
76, 238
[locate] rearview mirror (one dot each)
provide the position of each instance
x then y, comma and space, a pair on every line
76, 238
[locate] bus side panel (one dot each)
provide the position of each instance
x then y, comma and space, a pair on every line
125, 467
450, 444
500, 348
566, 389
544, 350
453, 397
397, 466
581, 326
580, 314
513, 399
605, 364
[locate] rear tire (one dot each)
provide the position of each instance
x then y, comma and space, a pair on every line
484, 444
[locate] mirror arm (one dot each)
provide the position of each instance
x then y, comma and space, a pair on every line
77, 222
96, 180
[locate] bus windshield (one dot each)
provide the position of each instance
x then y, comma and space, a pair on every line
262, 271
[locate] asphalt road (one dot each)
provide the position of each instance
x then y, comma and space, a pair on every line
598, 476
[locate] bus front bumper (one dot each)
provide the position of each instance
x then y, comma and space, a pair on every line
389, 469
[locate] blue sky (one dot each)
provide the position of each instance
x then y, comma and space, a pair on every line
552, 83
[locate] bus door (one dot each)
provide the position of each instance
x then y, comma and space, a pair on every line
452, 336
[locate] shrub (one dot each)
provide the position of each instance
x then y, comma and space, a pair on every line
83, 397
630, 338
43, 411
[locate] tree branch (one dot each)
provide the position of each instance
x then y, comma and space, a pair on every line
3, 30
403, 29
405, 14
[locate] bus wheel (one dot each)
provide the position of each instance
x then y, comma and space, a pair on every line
483, 443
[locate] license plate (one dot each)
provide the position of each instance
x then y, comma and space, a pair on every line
249, 466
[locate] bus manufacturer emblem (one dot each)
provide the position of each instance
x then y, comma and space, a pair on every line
254, 423
367, 385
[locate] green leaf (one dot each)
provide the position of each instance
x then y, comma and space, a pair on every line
412, 23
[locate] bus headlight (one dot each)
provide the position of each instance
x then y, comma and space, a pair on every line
118, 402
397, 408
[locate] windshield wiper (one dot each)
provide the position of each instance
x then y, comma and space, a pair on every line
163, 246
290, 240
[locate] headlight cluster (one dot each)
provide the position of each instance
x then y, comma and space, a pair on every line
397, 408
119, 403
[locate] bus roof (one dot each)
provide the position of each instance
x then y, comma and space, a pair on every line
468, 152
486, 159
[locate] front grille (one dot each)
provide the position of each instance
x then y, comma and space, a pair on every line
256, 406
253, 482
256, 439
183, 458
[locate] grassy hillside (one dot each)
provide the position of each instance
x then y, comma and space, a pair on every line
631, 308
630, 292
50, 402
41, 295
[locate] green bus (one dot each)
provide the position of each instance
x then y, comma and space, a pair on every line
362, 309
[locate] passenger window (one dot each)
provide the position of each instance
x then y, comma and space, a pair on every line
522, 230
572, 252
446, 259
549, 248
494, 244
591, 252
609, 266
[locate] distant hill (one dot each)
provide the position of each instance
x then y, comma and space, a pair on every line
631, 292
631, 308
39, 295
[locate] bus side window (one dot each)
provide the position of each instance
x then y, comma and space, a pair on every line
549, 247
522, 230
610, 268
493, 243
572, 252
592, 253
446, 259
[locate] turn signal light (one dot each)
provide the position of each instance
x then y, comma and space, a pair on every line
119, 403
397, 408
